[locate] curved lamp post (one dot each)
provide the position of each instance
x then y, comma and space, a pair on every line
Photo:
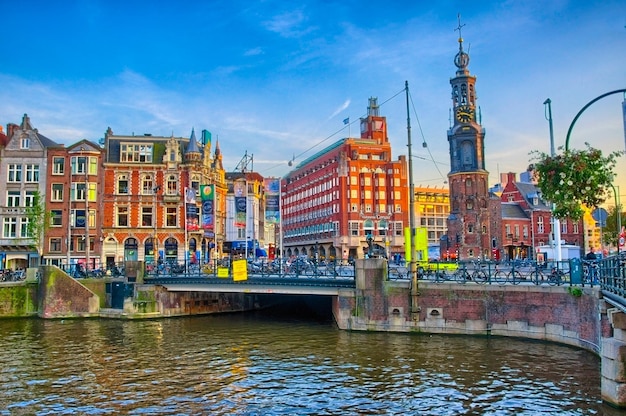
569, 131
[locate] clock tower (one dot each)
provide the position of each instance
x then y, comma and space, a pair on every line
469, 225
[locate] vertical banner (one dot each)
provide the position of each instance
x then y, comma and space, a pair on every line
241, 192
191, 211
206, 139
207, 193
272, 200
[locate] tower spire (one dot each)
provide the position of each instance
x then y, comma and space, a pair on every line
461, 60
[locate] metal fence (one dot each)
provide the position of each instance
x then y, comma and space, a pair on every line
569, 272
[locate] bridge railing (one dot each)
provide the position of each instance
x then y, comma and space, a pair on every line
287, 268
612, 274
568, 272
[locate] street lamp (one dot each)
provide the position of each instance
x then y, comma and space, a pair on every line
618, 213
155, 240
556, 225
87, 236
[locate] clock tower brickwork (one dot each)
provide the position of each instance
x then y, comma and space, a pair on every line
471, 231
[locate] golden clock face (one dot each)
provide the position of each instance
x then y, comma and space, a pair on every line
464, 114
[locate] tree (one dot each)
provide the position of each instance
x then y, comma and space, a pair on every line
38, 222
610, 233
574, 178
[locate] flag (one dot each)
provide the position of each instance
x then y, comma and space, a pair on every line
346, 120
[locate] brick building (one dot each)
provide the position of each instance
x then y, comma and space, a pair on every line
348, 197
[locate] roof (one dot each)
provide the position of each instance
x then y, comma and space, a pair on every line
529, 191
511, 210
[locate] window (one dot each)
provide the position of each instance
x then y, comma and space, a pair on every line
564, 227
82, 243
147, 185
25, 143
146, 217
29, 198
79, 165
470, 228
24, 227
55, 245
171, 217
507, 229
58, 165
171, 185
56, 218
354, 228
14, 173
122, 216
78, 191
93, 165
13, 198
540, 225
137, 153
57, 192
122, 184
516, 231
9, 227
575, 226
32, 173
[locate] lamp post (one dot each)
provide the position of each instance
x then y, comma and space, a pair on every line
412, 269
556, 225
155, 240
618, 214
87, 237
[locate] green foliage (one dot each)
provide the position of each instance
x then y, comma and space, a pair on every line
573, 178
575, 291
38, 221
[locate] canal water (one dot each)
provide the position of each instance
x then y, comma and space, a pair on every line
282, 362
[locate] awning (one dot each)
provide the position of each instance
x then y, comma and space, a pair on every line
260, 252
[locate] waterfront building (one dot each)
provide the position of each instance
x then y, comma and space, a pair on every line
23, 166
527, 220
472, 229
432, 207
349, 200
245, 225
74, 203
152, 200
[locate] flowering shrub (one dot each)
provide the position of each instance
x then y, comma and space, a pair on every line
573, 178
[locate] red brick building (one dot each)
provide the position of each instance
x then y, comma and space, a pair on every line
151, 199
352, 191
527, 220
74, 201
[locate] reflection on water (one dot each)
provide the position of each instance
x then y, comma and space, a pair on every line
262, 364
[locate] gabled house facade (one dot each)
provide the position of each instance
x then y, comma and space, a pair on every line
525, 197
74, 201
23, 167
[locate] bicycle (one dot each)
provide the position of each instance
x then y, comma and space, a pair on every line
556, 277
591, 272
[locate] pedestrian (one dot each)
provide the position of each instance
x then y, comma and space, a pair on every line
591, 256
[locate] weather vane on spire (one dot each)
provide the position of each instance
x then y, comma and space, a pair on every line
459, 28
461, 60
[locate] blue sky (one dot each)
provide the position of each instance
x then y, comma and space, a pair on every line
277, 78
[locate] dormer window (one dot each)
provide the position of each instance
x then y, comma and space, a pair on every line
25, 143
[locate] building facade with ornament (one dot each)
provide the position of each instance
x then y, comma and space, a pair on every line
152, 202
349, 200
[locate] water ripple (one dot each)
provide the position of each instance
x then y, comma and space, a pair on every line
255, 365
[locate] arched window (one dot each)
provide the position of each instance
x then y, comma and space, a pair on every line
171, 186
